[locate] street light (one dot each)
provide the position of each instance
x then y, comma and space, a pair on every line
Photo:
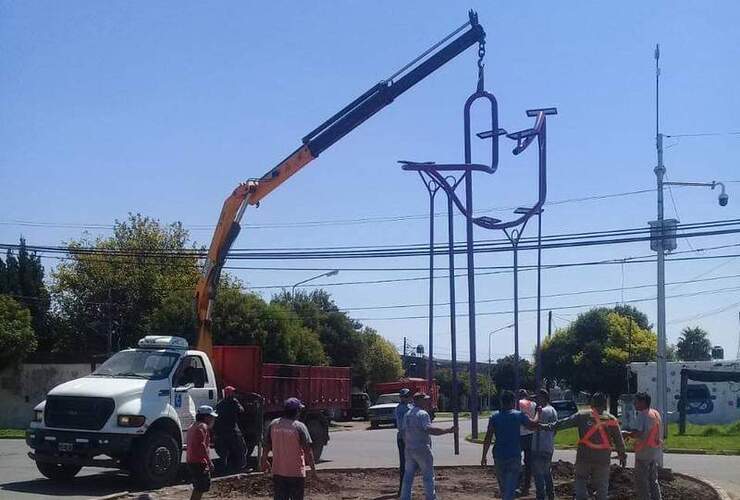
322, 275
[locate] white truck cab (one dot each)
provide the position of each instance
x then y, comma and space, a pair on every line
131, 413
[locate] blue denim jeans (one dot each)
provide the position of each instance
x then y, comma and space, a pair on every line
507, 473
541, 469
421, 459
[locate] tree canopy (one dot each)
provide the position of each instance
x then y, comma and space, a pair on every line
22, 277
694, 345
145, 261
592, 353
113, 290
17, 339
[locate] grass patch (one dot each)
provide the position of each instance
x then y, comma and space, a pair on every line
12, 433
720, 439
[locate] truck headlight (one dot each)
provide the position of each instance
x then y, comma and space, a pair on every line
38, 415
131, 420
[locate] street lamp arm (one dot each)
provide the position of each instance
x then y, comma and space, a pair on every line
712, 184
322, 275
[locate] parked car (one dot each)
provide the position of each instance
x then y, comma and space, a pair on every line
565, 408
383, 411
360, 406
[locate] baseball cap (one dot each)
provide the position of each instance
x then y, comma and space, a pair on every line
404, 393
207, 410
293, 404
229, 390
421, 395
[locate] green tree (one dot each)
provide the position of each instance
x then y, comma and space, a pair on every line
592, 353
503, 373
243, 319
117, 286
344, 339
382, 358
22, 277
637, 316
693, 345
17, 339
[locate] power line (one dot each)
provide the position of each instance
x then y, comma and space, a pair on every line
544, 296
710, 228
703, 134
318, 223
567, 307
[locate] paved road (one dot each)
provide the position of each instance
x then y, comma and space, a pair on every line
19, 478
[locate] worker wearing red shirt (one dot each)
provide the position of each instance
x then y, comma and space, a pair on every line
198, 440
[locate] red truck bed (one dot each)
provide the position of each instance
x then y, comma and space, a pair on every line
414, 385
318, 387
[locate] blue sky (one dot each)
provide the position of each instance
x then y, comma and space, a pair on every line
163, 107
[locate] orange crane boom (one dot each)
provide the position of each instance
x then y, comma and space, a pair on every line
327, 134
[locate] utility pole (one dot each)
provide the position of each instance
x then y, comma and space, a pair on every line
661, 372
549, 324
738, 341
405, 361
110, 322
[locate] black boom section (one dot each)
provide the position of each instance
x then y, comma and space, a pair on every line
384, 93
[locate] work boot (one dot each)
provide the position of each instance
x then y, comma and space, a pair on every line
522, 492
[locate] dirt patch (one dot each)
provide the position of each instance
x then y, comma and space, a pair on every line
453, 483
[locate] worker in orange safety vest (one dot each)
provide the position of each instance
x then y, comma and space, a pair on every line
648, 436
599, 433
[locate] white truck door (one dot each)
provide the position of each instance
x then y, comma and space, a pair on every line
191, 383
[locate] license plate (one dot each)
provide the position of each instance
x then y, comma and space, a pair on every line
66, 446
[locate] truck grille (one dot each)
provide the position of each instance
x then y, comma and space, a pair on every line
73, 412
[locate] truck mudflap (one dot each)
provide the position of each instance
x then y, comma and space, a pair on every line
78, 448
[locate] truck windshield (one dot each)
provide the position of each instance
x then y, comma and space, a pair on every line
385, 399
150, 365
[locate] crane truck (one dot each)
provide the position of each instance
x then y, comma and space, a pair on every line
131, 412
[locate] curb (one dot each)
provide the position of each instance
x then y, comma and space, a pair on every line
719, 491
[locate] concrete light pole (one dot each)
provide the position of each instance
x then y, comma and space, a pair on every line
663, 238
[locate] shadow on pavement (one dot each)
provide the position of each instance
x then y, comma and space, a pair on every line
95, 485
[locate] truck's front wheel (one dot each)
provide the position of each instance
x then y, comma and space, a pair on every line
58, 472
156, 460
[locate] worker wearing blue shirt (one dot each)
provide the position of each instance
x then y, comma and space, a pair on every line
401, 410
507, 452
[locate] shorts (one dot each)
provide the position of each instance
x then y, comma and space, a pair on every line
200, 476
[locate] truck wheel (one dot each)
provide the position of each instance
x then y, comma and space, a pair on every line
58, 472
156, 460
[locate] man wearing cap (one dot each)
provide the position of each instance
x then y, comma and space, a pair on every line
290, 443
230, 445
199, 442
417, 439
401, 410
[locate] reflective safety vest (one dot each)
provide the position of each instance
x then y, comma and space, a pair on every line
599, 427
654, 437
